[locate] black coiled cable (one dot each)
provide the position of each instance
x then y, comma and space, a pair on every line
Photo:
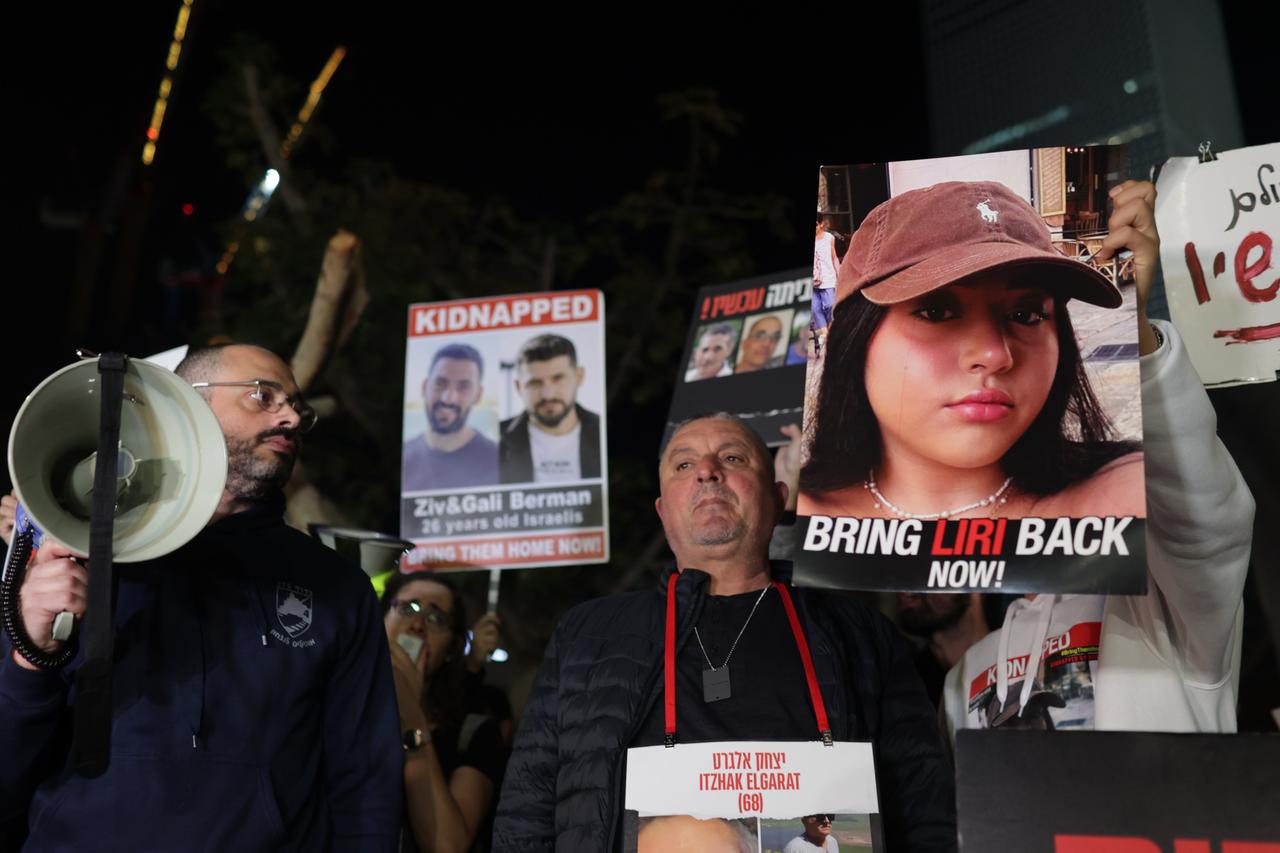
9, 607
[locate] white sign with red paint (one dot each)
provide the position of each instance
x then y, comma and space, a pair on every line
1219, 229
752, 778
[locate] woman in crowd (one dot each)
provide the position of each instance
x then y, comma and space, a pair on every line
453, 760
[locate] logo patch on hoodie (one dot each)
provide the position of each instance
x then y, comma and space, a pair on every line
293, 608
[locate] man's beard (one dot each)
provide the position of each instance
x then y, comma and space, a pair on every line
458, 422
725, 532
926, 619
561, 411
252, 478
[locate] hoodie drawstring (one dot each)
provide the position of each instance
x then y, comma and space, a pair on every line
196, 596
262, 611
1044, 604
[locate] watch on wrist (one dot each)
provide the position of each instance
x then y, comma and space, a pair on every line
1159, 336
413, 739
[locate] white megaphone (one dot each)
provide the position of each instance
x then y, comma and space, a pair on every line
172, 459
170, 467
376, 553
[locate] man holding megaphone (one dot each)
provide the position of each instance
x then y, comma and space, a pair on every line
252, 705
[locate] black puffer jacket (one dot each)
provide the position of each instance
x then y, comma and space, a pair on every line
603, 673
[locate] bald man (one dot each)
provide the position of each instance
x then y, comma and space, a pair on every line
253, 706
759, 345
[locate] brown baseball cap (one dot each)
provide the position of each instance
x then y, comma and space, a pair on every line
926, 239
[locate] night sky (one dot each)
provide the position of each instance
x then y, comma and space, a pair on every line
555, 113
559, 124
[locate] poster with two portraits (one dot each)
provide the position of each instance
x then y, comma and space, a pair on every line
504, 461
971, 404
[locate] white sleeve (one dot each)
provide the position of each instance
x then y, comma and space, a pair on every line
1199, 520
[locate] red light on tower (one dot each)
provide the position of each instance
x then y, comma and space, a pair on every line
188, 209
152, 133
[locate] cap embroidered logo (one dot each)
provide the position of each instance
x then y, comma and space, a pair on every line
989, 214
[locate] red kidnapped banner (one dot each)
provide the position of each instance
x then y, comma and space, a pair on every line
503, 312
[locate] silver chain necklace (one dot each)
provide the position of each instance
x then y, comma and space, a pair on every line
715, 681
990, 500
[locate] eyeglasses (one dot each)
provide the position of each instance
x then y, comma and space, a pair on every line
766, 336
271, 397
435, 619
821, 818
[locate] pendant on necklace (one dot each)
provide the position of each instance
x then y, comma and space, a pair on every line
715, 684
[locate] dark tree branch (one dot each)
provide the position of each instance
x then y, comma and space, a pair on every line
269, 139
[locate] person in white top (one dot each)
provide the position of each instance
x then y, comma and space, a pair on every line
825, 272
816, 837
711, 355
554, 440
1165, 661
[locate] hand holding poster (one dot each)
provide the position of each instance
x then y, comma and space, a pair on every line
959, 435
504, 458
1219, 222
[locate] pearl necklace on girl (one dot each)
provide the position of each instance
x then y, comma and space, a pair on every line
996, 497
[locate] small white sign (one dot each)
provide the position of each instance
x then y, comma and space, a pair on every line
1219, 229
766, 779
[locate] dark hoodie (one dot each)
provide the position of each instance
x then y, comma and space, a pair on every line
253, 708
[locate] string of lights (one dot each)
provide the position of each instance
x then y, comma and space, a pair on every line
166, 83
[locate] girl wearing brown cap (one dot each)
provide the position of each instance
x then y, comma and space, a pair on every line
953, 384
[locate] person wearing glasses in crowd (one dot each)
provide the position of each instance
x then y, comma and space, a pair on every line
760, 344
453, 760
253, 703
815, 836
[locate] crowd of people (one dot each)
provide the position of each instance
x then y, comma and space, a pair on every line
368, 725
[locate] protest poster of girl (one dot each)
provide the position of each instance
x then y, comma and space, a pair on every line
981, 356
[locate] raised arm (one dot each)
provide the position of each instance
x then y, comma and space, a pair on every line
1199, 511
445, 812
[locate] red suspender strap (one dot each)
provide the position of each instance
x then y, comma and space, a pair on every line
802, 645
669, 663
819, 707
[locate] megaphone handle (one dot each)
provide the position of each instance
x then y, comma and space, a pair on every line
62, 625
